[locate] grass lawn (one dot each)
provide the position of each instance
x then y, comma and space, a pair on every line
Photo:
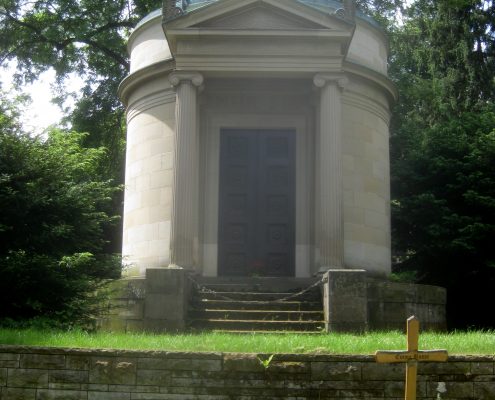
474, 342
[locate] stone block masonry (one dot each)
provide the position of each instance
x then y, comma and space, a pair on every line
30, 373
156, 303
390, 303
355, 302
352, 301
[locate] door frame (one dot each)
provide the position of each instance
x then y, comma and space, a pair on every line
211, 124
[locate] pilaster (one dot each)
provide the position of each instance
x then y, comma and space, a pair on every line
184, 235
329, 224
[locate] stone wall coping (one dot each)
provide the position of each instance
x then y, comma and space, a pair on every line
306, 357
108, 352
381, 282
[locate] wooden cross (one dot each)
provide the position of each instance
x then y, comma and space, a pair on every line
411, 357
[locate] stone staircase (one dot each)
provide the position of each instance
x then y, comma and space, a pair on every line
256, 305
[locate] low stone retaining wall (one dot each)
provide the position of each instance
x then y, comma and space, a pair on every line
389, 303
354, 302
28, 373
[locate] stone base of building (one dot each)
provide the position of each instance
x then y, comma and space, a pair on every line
352, 302
355, 302
156, 303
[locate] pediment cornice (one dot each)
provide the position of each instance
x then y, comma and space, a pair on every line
258, 18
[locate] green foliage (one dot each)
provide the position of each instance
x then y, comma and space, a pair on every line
42, 291
403, 276
102, 117
88, 38
443, 152
52, 229
383, 11
444, 211
444, 54
49, 186
266, 362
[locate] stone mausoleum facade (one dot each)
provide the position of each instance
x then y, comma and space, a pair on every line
258, 141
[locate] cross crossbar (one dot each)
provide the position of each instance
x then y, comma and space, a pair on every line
405, 356
411, 357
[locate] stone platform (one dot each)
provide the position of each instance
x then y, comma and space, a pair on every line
351, 301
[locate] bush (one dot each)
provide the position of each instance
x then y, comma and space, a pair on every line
56, 209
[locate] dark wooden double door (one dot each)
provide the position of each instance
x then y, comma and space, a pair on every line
257, 203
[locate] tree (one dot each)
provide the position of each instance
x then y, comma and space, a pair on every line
383, 11
85, 37
88, 38
442, 152
444, 212
52, 229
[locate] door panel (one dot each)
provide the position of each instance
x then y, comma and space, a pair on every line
236, 203
276, 205
257, 203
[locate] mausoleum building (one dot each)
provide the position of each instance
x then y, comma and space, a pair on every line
257, 139
257, 191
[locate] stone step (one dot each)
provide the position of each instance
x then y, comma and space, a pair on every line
237, 284
258, 315
256, 326
256, 305
255, 296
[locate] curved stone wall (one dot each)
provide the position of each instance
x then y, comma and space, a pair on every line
149, 178
369, 47
366, 178
150, 143
147, 44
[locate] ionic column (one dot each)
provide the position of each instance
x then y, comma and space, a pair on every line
330, 224
184, 224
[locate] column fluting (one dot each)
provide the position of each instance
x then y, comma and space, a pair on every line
330, 224
184, 222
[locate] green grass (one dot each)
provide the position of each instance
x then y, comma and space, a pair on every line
474, 342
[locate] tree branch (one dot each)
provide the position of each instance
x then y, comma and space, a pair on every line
113, 25
23, 24
61, 45
105, 50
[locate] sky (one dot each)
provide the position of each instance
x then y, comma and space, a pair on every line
41, 112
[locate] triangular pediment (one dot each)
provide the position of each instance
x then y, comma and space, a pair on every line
259, 16
257, 29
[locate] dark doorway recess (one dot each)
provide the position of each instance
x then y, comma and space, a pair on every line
256, 228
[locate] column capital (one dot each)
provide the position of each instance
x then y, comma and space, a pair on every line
322, 79
176, 77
